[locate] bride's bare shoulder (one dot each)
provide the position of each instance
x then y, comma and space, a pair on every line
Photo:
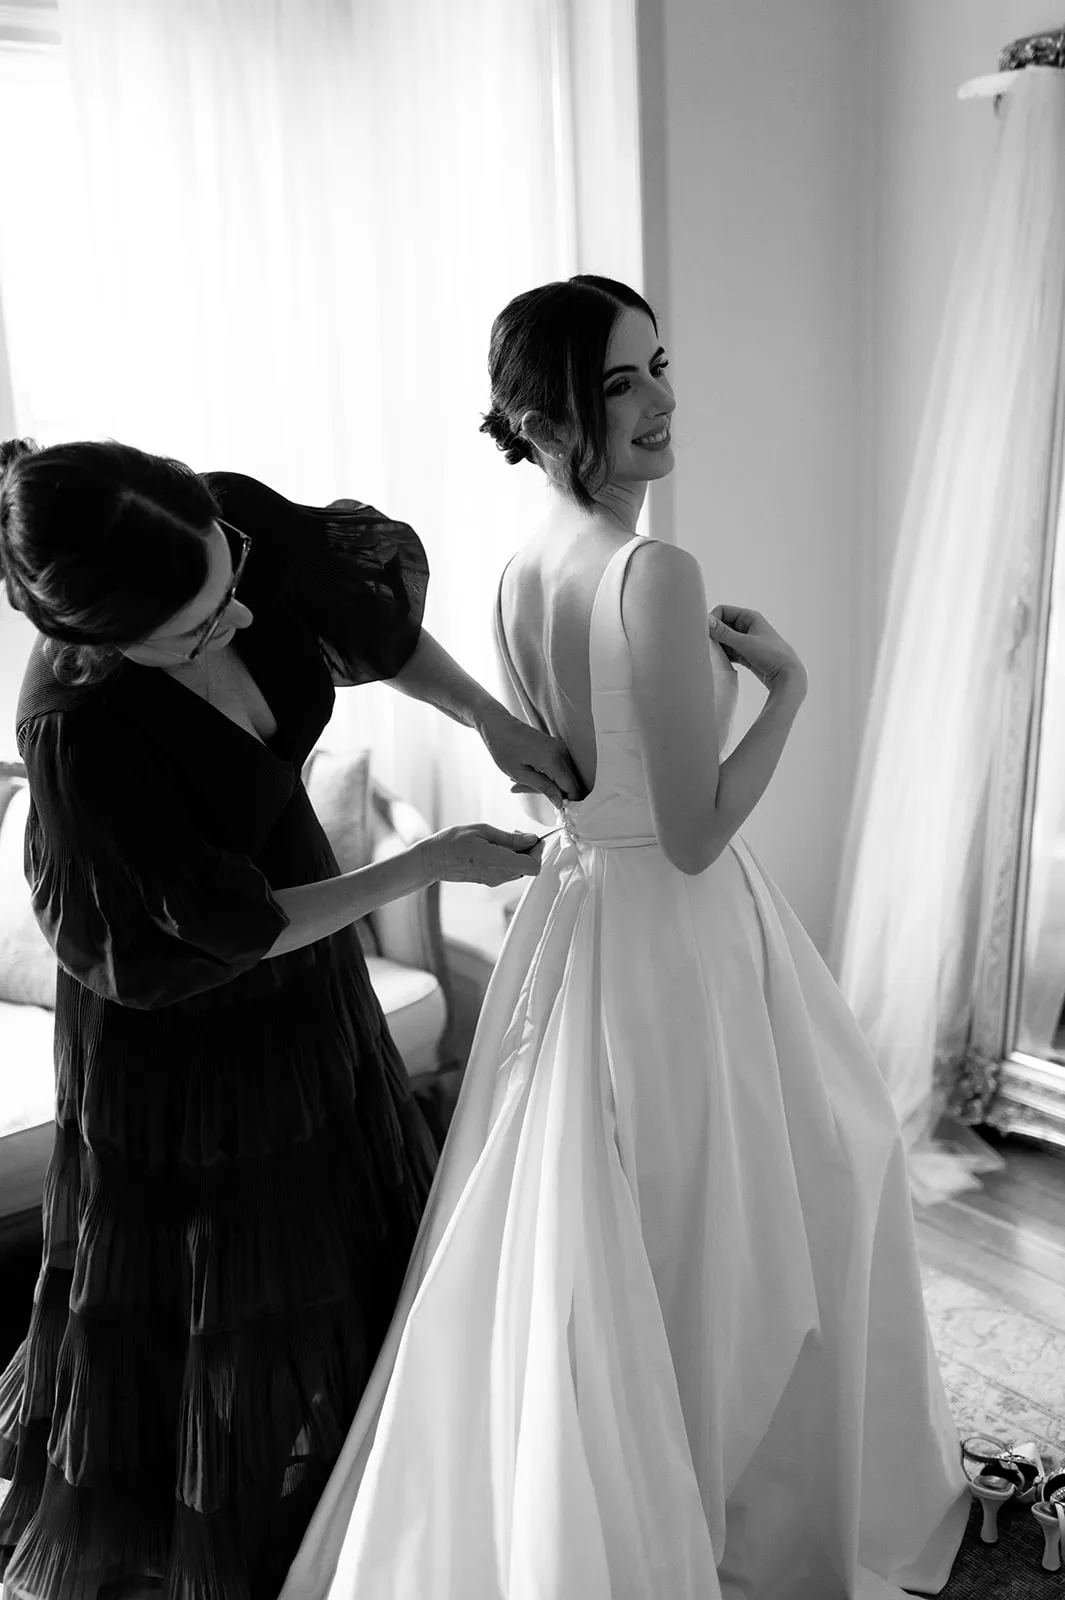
659, 579
516, 582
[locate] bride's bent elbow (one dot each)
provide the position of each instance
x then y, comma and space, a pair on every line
692, 859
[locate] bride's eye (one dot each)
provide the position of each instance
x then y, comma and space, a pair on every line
622, 388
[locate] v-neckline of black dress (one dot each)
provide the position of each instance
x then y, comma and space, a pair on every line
186, 696
256, 738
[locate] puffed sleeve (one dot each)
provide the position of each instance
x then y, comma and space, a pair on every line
137, 905
358, 578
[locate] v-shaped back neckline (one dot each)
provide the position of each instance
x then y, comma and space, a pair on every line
504, 647
534, 717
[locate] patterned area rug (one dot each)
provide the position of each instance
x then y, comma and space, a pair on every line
1004, 1372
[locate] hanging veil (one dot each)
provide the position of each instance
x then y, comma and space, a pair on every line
912, 889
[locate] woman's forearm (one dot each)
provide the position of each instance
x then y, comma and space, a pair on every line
315, 910
744, 777
530, 759
436, 678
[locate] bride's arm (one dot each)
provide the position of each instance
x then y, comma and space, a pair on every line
697, 804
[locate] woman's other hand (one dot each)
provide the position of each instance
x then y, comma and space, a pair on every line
746, 637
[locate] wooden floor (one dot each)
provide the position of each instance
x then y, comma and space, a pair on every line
1009, 1236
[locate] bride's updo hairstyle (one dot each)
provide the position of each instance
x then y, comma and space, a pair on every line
99, 544
548, 354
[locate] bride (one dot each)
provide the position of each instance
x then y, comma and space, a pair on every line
662, 1332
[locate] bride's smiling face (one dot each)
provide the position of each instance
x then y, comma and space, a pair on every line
639, 401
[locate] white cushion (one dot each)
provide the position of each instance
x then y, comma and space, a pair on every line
413, 1002
339, 789
27, 1078
27, 965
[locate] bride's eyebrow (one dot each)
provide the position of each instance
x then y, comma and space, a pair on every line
612, 372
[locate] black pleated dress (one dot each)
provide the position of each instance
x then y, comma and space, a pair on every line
239, 1165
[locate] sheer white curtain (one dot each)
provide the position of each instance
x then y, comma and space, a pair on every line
301, 217
981, 492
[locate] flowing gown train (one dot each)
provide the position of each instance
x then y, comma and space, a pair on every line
662, 1333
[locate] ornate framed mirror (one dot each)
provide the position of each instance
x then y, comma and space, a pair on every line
1013, 1076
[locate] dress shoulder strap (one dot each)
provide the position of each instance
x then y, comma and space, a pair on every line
609, 658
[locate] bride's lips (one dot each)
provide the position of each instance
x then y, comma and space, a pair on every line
657, 439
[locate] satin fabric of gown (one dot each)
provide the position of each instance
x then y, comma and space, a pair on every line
662, 1333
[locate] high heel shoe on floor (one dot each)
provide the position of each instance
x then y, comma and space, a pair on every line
1049, 1511
1007, 1472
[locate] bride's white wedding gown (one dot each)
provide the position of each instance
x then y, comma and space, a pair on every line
662, 1336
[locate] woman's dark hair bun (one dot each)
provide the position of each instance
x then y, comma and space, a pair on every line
514, 445
12, 450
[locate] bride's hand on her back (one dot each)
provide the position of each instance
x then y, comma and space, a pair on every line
478, 853
747, 638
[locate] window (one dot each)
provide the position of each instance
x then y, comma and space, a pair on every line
42, 229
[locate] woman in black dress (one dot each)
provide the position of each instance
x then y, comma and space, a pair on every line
239, 1166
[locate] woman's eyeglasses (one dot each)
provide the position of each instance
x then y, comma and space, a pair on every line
209, 628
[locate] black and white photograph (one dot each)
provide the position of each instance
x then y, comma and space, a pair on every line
532, 800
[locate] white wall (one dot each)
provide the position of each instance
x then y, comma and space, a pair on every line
767, 160
810, 165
